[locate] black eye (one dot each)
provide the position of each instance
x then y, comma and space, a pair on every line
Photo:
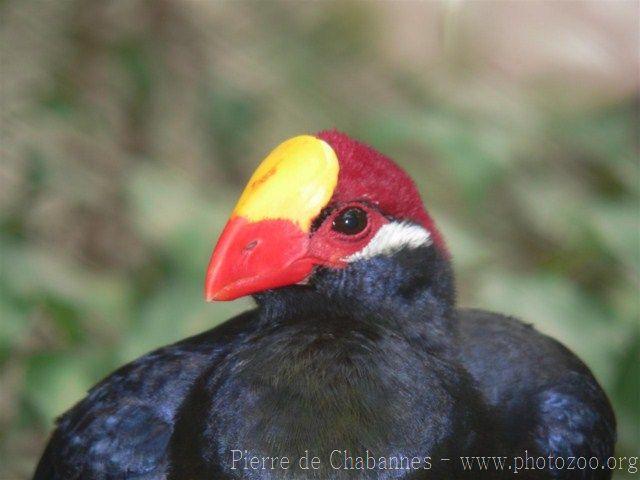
350, 221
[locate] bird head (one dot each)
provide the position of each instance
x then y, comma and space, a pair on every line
323, 202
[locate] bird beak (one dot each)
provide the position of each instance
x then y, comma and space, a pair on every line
265, 242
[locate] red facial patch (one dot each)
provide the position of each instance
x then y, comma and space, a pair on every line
330, 247
366, 174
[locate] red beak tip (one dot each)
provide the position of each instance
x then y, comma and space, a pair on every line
276, 258
211, 297
220, 295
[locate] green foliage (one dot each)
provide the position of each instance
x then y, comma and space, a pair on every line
130, 142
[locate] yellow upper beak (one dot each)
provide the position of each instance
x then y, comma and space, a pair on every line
294, 183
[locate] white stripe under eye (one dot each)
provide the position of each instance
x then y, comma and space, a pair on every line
392, 238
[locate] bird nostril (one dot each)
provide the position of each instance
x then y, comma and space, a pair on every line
250, 246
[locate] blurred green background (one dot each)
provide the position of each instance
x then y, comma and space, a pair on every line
130, 127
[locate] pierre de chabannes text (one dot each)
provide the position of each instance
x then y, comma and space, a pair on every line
346, 460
